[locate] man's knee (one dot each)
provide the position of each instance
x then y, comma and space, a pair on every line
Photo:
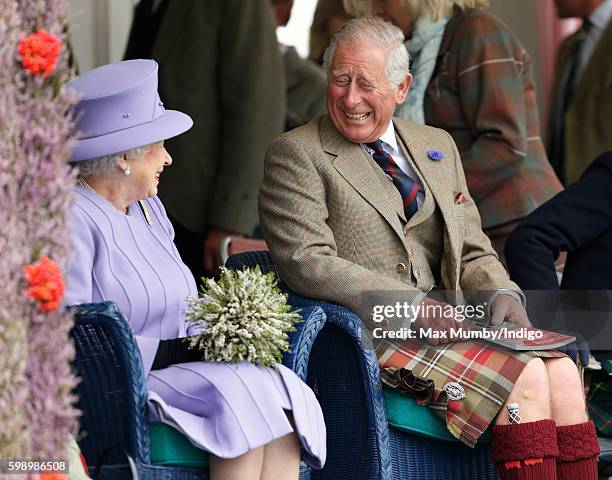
563, 375
533, 384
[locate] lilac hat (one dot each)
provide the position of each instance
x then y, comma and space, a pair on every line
120, 109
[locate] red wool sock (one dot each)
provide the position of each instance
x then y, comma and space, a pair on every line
525, 451
578, 451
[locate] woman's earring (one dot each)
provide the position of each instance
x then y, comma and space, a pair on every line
126, 172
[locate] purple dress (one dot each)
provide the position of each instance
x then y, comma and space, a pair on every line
226, 409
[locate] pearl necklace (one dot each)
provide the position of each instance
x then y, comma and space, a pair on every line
83, 183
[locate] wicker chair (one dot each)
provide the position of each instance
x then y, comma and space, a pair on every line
112, 392
345, 376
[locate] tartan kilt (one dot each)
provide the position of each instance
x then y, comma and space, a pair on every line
487, 373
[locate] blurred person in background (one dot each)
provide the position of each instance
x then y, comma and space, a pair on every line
220, 64
329, 17
305, 80
577, 221
581, 100
473, 78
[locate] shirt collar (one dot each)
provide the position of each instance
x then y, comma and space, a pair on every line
389, 138
600, 17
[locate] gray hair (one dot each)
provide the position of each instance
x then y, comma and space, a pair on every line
107, 166
374, 31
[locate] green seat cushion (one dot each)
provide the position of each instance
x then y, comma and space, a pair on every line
405, 414
171, 448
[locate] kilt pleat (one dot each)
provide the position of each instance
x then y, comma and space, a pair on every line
486, 372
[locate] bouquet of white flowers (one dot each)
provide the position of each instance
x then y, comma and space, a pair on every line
243, 316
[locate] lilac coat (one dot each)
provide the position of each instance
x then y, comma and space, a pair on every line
222, 408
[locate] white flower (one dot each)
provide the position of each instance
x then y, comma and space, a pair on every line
243, 316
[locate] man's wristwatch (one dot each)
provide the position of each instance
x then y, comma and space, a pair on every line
518, 296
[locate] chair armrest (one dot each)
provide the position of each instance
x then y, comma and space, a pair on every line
342, 318
302, 340
348, 321
261, 258
113, 391
336, 314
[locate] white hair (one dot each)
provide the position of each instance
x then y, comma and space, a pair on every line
374, 31
107, 166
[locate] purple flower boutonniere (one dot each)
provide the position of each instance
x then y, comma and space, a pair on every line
435, 155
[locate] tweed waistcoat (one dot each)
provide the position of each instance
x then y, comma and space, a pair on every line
426, 254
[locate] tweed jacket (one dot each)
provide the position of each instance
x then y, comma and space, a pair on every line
335, 225
219, 63
482, 92
587, 126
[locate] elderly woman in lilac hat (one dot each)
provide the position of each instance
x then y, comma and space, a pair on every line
254, 421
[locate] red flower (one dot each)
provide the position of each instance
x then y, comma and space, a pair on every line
39, 52
46, 284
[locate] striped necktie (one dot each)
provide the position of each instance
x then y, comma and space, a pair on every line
407, 187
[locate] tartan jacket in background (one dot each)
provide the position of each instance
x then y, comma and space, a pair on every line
482, 92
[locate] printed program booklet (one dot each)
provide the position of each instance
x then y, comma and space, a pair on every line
515, 337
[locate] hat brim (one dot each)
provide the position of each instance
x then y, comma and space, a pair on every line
170, 124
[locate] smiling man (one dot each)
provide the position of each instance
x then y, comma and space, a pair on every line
361, 103
359, 203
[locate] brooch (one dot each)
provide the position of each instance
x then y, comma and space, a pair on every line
454, 391
435, 155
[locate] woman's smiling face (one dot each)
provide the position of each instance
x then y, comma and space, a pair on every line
145, 171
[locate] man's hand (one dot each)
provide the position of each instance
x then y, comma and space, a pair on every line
507, 308
212, 243
432, 315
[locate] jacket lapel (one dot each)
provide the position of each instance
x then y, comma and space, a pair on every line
357, 168
440, 177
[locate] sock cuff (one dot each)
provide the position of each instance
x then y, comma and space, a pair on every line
577, 442
523, 441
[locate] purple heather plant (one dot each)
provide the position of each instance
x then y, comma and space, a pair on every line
36, 187
14, 434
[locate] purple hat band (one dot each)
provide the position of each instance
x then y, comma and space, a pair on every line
119, 109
